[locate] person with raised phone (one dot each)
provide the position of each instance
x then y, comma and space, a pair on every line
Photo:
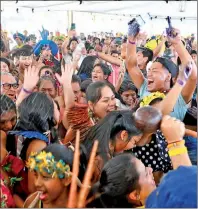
163, 73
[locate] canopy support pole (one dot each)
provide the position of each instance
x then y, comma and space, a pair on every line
70, 19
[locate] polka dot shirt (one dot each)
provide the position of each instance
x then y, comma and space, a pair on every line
154, 154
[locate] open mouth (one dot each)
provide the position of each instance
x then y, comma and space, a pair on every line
150, 82
11, 95
26, 66
43, 195
95, 78
111, 109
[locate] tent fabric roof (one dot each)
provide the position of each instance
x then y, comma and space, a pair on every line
97, 16
172, 8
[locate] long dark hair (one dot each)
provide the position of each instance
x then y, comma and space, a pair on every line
119, 178
106, 130
8, 105
94, 91
36, 113
86, 67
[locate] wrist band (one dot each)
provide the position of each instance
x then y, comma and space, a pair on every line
132, 42
180, 82
177, 151
26, 91
175, 144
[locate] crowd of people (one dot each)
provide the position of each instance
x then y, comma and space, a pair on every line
122, 109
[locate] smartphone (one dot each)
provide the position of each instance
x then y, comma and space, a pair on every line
169, 29
133, 27
169, 22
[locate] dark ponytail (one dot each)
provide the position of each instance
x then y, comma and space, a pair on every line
106, 130
119, 178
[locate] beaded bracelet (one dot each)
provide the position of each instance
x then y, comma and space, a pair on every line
26, 91
177, 151
132, 42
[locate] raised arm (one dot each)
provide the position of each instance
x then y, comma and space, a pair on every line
131, 63
157, 50
184, 56
64, 46
120, 78
167, 104
173, 131
131, 57
109, 58
65, 80
31, 78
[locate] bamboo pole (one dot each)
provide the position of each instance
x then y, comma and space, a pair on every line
72, 200
87, 178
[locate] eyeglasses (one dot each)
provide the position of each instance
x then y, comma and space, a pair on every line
8, 86
26, 57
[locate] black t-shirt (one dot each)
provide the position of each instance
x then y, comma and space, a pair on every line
189, 119
106, 201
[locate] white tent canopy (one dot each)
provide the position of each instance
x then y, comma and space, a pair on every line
97, 15
172, 8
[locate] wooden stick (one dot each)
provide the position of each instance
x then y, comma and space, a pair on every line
72, 200
189, 132
68, 136
35, 201
87, 178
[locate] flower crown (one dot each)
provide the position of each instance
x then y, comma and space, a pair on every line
43, 162
148, 99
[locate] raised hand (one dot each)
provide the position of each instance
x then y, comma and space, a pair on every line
174, 36
67, 72
172, 129
133, 28
31, 78
76, 56
135, 103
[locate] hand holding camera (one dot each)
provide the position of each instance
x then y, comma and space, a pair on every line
133, 28
173, 34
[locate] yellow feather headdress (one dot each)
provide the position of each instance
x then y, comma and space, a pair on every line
43, 162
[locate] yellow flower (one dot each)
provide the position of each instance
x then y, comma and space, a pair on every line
31, 163
41, 155
148, 99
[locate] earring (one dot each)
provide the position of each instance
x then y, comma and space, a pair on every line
90, 113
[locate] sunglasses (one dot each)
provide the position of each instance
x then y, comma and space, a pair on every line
8, 86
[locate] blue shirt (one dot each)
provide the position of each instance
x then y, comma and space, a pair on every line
180, 108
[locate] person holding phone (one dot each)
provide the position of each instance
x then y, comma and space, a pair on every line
163, 72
